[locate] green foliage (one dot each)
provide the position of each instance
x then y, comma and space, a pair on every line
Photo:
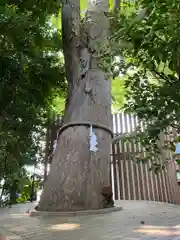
31, 77
118, 93
18, 187
37, 8
148, 37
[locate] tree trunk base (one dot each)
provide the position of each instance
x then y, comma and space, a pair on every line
75, 213
77, 175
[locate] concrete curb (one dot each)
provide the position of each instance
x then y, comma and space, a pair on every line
35, 213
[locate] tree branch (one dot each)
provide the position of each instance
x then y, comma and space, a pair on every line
124, 136
161, 75
71, 40
116, 6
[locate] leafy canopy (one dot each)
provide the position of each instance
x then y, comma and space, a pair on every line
31, 75
149, 39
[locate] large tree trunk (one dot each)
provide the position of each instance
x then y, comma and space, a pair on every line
77, 174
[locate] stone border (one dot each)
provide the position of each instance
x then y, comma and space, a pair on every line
35, 213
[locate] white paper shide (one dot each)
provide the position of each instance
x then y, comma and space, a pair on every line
93, 140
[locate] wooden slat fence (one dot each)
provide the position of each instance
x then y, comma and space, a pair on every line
132, 181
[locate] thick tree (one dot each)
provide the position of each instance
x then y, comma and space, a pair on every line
77, 174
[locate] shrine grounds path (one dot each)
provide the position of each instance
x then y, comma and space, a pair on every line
138, 220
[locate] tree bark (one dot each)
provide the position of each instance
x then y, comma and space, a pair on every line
117, 5
77, 174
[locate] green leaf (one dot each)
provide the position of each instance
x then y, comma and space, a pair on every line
178, 161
